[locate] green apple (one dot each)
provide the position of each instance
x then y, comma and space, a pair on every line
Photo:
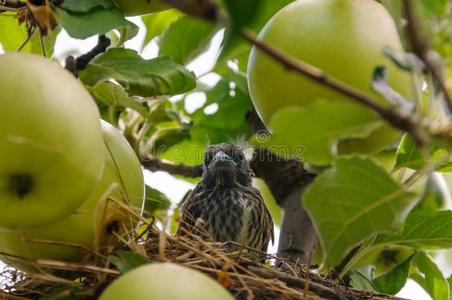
141, 7
164, 281
92, 227
51, 148
344, 38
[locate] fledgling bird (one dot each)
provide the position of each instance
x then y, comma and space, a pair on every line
225, 204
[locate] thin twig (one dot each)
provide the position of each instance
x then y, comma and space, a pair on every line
30, 35
11, 5
396, 119
203, 9
74, 65
75, 266
155, 164
421, 48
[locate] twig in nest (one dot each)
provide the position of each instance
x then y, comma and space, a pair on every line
74, 65
238, 270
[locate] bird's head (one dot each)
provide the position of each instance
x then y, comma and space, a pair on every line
226, 165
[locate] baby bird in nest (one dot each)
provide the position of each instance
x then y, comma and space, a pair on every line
225, 204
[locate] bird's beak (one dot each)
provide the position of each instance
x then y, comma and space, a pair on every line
222, 158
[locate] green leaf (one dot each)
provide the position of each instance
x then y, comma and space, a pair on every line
83, 6
393, 281
435, 193
188, 152
155, 200
360, 279
95, 21
241, 12
351, 202
156, 23
435, 283
423, 229
164, 138
449, 281
312, 132
234, 47
226, 124
127, 260
147, 78
185, 38
409, 156
13, 35
112, 94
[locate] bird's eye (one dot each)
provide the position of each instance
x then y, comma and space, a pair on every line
207, 159
238, 158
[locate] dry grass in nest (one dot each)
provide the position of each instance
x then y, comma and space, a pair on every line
246, 273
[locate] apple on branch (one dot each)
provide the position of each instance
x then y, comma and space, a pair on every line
110, 211
51, 148
345, 39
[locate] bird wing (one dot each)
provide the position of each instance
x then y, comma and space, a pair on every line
189, 210
267, 221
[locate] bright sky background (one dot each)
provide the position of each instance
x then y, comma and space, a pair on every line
171, 186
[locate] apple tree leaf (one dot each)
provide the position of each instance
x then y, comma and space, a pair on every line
127, 260
111, 94
360, 278
312, 132
83, 6
233, 46
393, 281
13, 35
409, 156
241, 13
185, 38
98, 20
436, 193
423, 229
224, 123
156, 23
146, 78
155, 200
352, 201
432, 280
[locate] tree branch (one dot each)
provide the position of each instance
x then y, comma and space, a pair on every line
204, 9
74, 65
155, 164
287, 181
396, 119
11, 5
421, 48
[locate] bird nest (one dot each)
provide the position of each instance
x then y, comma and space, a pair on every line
245, 272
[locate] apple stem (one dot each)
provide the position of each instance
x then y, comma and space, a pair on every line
21, 184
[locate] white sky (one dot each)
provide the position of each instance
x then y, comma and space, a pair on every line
175, 188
